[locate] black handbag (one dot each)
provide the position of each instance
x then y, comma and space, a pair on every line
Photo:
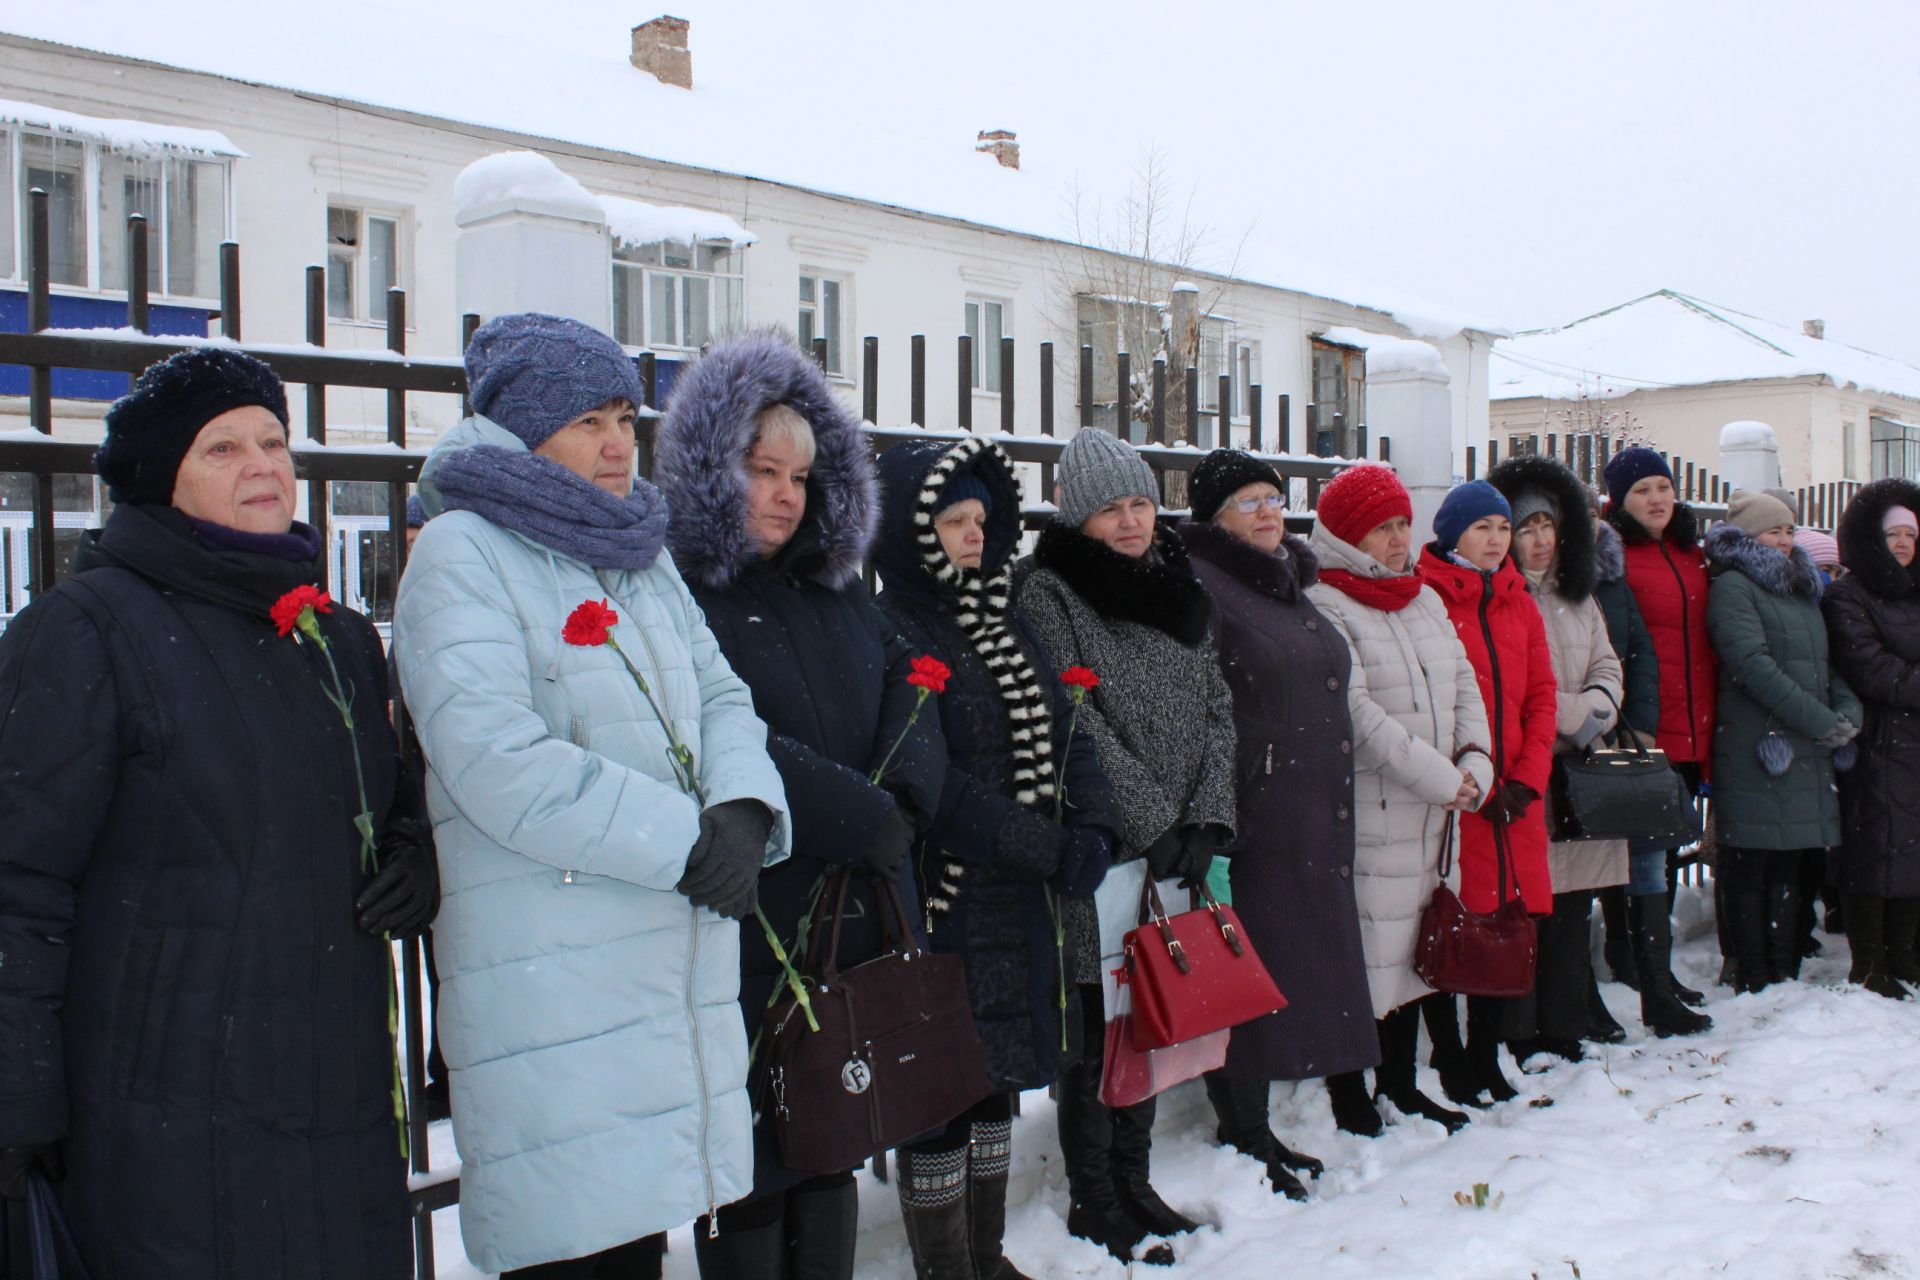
1622, 791
897, 1054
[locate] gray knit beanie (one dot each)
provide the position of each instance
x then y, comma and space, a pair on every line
1097, 468
1530, 502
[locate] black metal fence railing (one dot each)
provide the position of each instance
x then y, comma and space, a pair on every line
1587, 453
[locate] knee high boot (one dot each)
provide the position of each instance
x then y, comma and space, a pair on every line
1394, 1078
1241, 1105
1783, 926
933, 1208
756, 1253
1867, 937
1660, 1008
1485, 1016
1619, 946
1446, 1053
1132, 1161
1094, 1212
1903, 940
822, 1224
1353, 1108
989, 1160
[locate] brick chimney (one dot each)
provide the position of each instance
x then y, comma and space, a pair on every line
1000, 144
660, 50
1814, 328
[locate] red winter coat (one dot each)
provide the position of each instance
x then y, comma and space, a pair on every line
1506, 641
1669, 583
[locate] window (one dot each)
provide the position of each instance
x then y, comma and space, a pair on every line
673, 295
92, 189
821, 311
1896, 449
1339, 387
1211, 362
1849, 430
1246, 376
363, 262
986, 325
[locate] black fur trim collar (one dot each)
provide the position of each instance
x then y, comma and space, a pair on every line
1683, 531
1574, 530
1730, 548
1157, 590
1283, 577
1863, 547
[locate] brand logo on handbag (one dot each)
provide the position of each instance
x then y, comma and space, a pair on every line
855, 1076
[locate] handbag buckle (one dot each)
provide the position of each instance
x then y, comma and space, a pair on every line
1179, 954
1232, 936
780, 1092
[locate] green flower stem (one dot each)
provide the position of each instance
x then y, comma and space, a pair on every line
786, 966
1053, 903
677, 752
906, 729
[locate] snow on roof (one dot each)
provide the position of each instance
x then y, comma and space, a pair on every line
635, 222
509, 176
1387, 353
1670, 339
135, 137
864, 123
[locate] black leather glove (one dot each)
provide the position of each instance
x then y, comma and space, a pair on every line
404, 894
1511, 800
887, 852
17, 1162
1198, 847
1086, 853
1163, 855
723, 867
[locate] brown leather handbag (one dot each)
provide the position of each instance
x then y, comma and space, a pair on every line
1472, 953
897, 1054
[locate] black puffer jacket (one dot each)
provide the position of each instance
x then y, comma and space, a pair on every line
1873, 619
983, 869
185, 997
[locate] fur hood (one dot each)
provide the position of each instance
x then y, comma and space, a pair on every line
1575, 568
1683, 531
1730, 549
1156, 590
1283, 576
703, 441
1609, 555
1864, 550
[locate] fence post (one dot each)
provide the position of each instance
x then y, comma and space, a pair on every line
966, 382
318, 508
1123, 407
1158, 432
1285, 423
1256, 436
1192, 423
1472, 460
1493, 454
1386, 449
1086, 386
870, 379
138, 311
650, 378
917, 380
1006, 385
1223, 420
397, 435
1046, 388
40, 572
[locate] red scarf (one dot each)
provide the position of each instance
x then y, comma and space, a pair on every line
1388, 594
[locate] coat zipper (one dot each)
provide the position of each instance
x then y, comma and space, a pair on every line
1499, 724
1686, 646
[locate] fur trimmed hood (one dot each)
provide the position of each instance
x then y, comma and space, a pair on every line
1683, 531
1156, 590
1609, 554
1574, 570
1282, 576
704, 439
1730, 549
1863, 548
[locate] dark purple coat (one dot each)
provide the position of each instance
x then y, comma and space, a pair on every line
1292, 867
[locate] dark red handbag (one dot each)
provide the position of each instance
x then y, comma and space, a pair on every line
1192, 974
1470, 953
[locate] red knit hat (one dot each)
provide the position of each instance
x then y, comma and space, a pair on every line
1360, 500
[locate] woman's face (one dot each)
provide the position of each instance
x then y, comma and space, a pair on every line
238, 472
1535, 541
777, 471
1780, 538
1901, 540
1389, 543
597, 446
1264, 525
963, 532
1650, 502
1124, 525
1485, 542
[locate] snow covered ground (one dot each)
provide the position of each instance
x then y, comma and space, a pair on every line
1782, 1145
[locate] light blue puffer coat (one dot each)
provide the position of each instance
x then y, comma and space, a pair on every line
587, 1010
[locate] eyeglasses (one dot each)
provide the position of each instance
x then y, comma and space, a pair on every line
1272, 502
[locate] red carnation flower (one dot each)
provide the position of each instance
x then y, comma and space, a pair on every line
589, 624
929, 673
287, 609
1079, 678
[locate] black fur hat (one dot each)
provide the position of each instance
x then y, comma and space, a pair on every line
1223, 473
150, 430
1539, 474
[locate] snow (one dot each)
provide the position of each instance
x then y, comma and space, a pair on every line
1747, 434
495, 180
135, 137
636, 222
1782, 1145
1669, 339
1387, 353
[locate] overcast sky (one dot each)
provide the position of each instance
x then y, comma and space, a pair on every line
1522, 164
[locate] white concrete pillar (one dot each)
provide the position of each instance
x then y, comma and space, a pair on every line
1749, 456
530, 238
1410, 404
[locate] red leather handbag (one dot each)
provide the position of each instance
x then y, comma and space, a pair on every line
1192, 974
1471, 953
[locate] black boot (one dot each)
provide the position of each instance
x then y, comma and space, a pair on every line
1446, 1054
1619, 945
1353, 1108
1867, 937
933, 1208
1745, 913
822, 1223
1132, 1156
1783, 929
1241, 1105
1094, 1212
758, 1252
1660, 1007
1394, 1079
1903, 933
1602, 1026
1484, 1016
989, 1157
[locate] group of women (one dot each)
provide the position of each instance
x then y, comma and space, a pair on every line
656, 716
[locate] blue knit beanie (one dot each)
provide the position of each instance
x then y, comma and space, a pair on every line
533, 374
960, 488
416, 512
1472, 501
1628, 468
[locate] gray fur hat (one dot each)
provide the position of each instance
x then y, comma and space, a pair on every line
1097, 468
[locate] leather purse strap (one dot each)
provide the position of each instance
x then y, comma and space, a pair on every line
895, 932
1503, 867
1620, 736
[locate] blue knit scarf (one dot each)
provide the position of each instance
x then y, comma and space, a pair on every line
542, 500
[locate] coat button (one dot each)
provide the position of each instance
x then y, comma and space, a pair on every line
1313, 624
1346, 746
1343, 813
1346, 873
1333, 684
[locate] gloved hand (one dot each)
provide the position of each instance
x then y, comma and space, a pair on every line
887, 852
404, 894
1163, 854
723, 867
1592, 727
1198, 848
1086, 853
17, 1162
1510, 802
1843, 732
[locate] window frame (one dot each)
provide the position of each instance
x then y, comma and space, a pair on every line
986, 354
362, 303
647, 272
1353, 361
836, 342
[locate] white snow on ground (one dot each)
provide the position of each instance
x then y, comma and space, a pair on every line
1782, 1145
